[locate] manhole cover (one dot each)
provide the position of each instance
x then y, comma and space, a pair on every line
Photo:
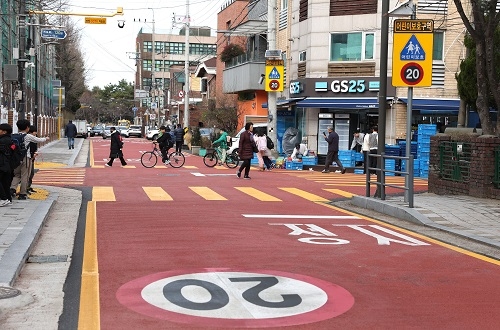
6, 292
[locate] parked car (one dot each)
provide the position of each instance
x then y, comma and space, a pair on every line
123, 131
235, 140
96, 130
135, 130
152, 134
106, 133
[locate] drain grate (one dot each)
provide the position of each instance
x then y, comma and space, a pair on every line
6, 292
49, 258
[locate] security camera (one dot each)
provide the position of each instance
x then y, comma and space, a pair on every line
121, 24
261, 79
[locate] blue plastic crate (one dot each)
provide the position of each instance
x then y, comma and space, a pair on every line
294, 165
430, 129
358, 157
358, 171
310, 160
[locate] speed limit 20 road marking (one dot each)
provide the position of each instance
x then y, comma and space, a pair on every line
233, 298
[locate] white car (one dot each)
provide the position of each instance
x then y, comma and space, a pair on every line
123, 130
235, 140
152, 134
135, 130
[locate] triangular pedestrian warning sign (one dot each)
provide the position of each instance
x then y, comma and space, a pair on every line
412, 51
274, 74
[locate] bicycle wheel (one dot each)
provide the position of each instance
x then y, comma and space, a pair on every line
210, 159
231, 161
176, 159
149, 159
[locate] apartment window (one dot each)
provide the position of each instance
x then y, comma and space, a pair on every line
302, 56
357, 46
202, 49
303, 5
147, 65
174, 48
146, 83
147, 46
158, 65
437, 47
159, 46
284, 4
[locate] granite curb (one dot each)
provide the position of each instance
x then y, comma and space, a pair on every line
412, 215
18, 252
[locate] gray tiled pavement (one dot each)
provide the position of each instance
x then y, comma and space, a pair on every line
20, 224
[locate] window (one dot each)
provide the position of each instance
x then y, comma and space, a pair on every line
202, 49
302, 56
159, 65
437, 47
146, 83
147, 65
303, 10
284, 4
159, 46
147, 46
358, 46
174, 48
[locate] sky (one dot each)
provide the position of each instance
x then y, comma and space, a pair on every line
108, 50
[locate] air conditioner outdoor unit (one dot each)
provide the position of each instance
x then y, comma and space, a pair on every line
18, 95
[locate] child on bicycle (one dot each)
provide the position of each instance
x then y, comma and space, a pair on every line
223, 144
165, 143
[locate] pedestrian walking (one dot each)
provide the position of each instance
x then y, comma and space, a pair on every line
179, 138
366, 150
33, 151
373, 148
333, 150
267, 153
261, 142
116, 147
23, 171
222, 142
246, 150
5, 168
70, 132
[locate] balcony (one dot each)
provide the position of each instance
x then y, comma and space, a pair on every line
242, 73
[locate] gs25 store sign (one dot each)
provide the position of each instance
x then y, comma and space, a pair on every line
337, 86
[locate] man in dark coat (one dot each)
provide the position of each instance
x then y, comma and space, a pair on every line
179, 138
70, 132
115, 148
333, 150
5, 169
245, 150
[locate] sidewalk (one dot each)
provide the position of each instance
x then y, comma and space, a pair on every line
22, 222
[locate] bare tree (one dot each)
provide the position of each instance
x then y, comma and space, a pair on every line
485, 21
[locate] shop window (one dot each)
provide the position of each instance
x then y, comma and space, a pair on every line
437, 47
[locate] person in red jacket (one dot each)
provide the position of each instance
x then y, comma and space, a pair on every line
246, 149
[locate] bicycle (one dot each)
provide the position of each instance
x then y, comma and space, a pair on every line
211, 159
150, 158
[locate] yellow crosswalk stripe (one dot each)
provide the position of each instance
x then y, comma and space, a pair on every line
305, 195
157, 194
207, 193
340, 192
262, 196
103, 194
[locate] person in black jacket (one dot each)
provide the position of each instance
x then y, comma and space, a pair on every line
333, 150
115, 148
179, 138
165, 143
5, 169
70, 132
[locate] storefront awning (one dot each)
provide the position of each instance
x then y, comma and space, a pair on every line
281, 103
434, 106
339, 103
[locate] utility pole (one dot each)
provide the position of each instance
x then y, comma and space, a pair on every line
186, 68
21, 62
271, 96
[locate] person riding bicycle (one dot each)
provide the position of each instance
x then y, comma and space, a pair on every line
165, 143
222, 141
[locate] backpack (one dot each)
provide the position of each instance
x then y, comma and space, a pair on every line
19, 150
270, 143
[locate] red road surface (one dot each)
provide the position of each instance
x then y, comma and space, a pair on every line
369, 275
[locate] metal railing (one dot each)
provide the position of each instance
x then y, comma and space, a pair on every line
496, 169
245, 58
454, 161
408, 173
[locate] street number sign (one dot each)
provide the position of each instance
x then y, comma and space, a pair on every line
412, 53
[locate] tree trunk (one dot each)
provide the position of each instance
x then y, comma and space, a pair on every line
482, 105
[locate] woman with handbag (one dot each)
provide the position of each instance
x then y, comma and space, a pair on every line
246, 149
115, 148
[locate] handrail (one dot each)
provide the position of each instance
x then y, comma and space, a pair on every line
409, 187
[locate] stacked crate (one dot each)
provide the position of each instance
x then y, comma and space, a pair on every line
294, 165
347, 158
310, 160
392, 164
425, 131
416, 167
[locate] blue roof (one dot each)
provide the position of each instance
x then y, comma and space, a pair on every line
434, 106
339, 103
